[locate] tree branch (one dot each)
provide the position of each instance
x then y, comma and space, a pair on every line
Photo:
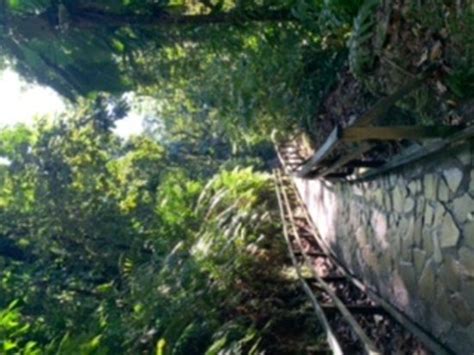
93, 18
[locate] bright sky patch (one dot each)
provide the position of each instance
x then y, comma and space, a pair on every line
21, 102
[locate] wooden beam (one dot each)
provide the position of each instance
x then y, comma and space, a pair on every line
312, 254
351, 134
365, 163
420, 153
341, 175
322, 153
355, 309
326, 279
343, 160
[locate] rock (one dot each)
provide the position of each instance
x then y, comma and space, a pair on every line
450, 274
429, 214
426, 284
407, 273
393, 220
440, 325
450, 234
396, 244
471, 183
361, 236
414, 187
461, 310
358, 190
371, 260
409, 235
467, 292
443, 191
380, 226
398, 199
403, 227
430, 185
466, 334
418, 232
443, 305
466, 258
428, 245
468, 232
378, 196
400, 293
439, 212
437, 255
407, 251
387, 202
419, 257
453, 177
420, 206
368, 196
393, 179
386, 260
465, 156
463, 207
409, 205
385, 182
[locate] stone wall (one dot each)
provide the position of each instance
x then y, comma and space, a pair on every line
410, 236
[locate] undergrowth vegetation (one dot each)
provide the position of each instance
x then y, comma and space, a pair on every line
395, 41
107, 247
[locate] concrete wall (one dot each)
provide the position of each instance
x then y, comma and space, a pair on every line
410, 236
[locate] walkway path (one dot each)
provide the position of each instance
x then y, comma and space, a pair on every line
410, 235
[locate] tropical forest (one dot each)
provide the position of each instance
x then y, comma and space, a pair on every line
237, 177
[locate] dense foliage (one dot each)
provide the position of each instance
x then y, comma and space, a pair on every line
160, 243
246, 63
107, 247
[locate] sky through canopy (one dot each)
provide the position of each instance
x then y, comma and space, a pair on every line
21, 102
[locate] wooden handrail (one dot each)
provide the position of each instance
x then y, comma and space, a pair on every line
344, 159
420, 153
359, 129
322, 153
358, 133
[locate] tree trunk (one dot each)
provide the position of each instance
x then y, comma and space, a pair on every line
40, 26
87, 18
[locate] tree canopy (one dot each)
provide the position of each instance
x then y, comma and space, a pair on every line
251, 62
107, 245
78, 46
